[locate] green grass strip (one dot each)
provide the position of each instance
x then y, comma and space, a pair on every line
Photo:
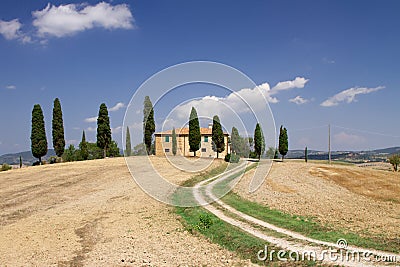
306, 225
227, 236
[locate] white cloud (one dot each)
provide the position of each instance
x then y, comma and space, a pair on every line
298, 100
92, 119
326, 60
117, 107
228, 106
66, 20
116, 130
298, 82
72, 142
26, 39
137, 126
210, 105
349, 95
11, 87
10, 29
343, 138
91, 129
254, 96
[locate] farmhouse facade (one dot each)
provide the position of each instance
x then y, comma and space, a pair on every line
163, 143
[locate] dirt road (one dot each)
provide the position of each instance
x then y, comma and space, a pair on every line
93, 214
360, 200
293, 241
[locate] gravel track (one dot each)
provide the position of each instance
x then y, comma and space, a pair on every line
318, 245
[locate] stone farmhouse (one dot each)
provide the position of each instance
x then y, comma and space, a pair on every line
163, 143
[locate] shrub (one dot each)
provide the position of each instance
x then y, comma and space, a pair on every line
5, 167
36, 163
205, 221
69, 154
253, 155
232, 158
52, 160
395, 161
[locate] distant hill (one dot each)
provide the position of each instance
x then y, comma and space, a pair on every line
378, 155
350, 156
27, 158
390, 150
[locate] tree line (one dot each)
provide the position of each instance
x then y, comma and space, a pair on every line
240, 146
104, 146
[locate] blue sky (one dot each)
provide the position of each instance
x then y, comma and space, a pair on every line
345, 54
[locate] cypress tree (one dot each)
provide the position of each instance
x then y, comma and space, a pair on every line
103, 129
283, 142
306, 154
174, 143
235, 140
83, 147
276, 154
128, 145
38, 134
194, 132
259, 143
20, 162
217, 136
58, 129
149, 125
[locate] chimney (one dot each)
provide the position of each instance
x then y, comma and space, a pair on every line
210, 125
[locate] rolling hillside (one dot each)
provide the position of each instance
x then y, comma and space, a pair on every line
27, 158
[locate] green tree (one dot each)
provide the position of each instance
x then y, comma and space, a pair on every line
20, 162
128, 145
283, 142
103, 129
174, 142
217, 136
194, 132
83, 147
95, 152
276, 154
235, 141
270, 152
58, 129
395, 161
259, 142
70, 154
139, 150
149, 126
113, 150
38, 134
306, 154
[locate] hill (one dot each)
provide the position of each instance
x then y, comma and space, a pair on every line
93, 213
27, 158
377, 155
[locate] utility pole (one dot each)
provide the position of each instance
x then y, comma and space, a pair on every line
329, 143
